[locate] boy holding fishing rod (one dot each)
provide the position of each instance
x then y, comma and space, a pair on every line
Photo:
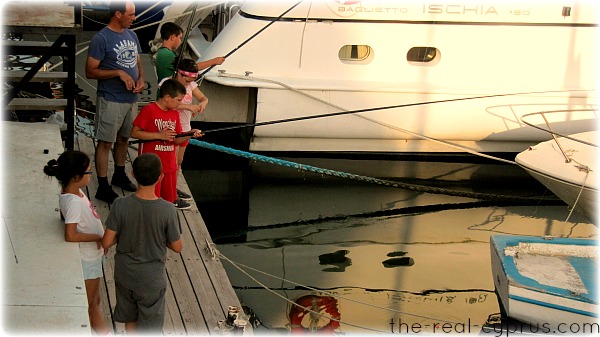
159, 125
165, 58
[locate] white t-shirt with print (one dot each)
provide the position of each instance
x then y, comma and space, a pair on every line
79, 210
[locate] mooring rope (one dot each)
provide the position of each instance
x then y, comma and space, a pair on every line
294, 303
239, 266
389, 183
587, 170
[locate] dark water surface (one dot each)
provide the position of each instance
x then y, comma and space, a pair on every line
381, 259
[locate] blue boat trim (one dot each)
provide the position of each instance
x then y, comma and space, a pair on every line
552, 306
585, 267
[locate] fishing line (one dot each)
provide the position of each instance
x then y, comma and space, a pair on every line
249, 39
136, 28
349, 112
185, 38
137, 17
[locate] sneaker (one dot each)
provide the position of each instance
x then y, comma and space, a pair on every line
123, 182
181, 204
106, 194
183, 196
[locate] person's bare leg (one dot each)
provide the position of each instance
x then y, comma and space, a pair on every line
130, 328
180, 153
92, 289
102, 152
121, 150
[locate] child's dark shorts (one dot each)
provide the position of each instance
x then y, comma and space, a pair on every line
144, 306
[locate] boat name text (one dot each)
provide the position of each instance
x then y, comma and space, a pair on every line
433, 9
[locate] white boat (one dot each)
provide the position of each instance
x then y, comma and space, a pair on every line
549, 283
567, 166
461, 73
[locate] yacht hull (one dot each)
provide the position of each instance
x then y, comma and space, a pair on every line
573, 181
421, 77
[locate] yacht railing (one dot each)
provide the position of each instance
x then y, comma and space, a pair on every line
556, 135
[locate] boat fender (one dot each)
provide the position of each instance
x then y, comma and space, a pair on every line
321, 304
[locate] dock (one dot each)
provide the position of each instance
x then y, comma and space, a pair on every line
199, 292
43, 290
44, 277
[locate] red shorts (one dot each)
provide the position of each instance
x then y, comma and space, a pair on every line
167, 187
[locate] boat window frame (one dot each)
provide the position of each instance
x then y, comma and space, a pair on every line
359, 59
422, 51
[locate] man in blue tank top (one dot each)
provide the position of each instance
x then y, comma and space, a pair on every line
113, 59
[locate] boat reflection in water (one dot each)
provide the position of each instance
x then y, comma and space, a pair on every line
393, 259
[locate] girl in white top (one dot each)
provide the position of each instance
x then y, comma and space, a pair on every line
82, 225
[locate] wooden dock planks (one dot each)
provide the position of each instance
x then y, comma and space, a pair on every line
198, 292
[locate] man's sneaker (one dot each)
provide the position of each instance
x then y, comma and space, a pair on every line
182, 204
106, 194
123, 182
183, 196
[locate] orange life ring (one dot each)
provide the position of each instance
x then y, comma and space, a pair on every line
322, 304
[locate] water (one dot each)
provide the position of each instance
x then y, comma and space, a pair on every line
400, 261
397, 261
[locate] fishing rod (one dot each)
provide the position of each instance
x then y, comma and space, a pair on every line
249, 39
185, 38
183, 134
350, 112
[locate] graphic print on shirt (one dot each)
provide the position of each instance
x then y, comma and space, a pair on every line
126, 54
187, 99
94, 211
162, 125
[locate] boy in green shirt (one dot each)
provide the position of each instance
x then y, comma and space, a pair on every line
171, 34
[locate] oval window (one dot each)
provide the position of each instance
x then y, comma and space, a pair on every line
423, 55
356, 54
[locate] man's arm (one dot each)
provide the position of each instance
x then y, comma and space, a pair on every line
140, 84
176, 246
93, 71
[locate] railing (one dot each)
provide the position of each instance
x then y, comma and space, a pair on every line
555, 135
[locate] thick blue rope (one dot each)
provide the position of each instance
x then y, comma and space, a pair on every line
412, 187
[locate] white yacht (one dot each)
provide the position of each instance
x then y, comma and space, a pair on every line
567, 166
400, 76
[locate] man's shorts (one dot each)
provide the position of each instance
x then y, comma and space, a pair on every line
146, 307
114, 118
